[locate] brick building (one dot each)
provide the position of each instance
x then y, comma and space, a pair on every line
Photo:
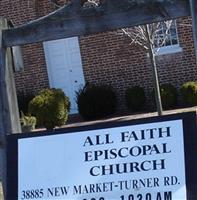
105, 58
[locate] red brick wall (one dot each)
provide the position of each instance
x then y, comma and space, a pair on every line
34, 77
180, 67
107, 57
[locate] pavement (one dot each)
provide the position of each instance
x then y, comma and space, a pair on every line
1, 159
1, 190
128, 117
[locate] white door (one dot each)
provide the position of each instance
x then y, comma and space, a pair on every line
64, 67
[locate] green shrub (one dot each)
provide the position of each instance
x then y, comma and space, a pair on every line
95, 102
24, 98
168, 96
189, 93
50, 107
28, 122
135, 98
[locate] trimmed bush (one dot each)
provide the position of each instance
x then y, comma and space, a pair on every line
50, 108
189, 93
95, 102
135, 98
168, 96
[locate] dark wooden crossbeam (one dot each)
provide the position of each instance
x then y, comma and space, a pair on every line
73, 20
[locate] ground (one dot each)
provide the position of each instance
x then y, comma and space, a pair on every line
131, 117
120, 118
1, 192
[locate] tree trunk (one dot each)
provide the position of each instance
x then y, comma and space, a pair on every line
154, 72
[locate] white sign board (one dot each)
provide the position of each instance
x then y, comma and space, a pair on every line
134, 162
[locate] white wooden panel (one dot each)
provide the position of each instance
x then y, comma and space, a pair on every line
64, 66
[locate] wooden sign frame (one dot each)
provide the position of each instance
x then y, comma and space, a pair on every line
72, 20
190, 150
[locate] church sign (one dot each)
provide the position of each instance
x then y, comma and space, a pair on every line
146, 159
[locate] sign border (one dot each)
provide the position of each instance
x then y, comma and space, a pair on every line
190, 147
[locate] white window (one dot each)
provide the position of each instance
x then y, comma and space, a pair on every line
166, 39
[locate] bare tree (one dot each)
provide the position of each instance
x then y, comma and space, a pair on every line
151, 37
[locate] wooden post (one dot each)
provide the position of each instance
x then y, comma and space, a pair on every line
193, 6
9, 115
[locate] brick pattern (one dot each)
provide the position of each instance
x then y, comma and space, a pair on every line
107, 57
34, 77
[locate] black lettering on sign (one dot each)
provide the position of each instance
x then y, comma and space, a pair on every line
32, 194
171, 180
128, 136
57, 191
123, 168
148, 196
98, 140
